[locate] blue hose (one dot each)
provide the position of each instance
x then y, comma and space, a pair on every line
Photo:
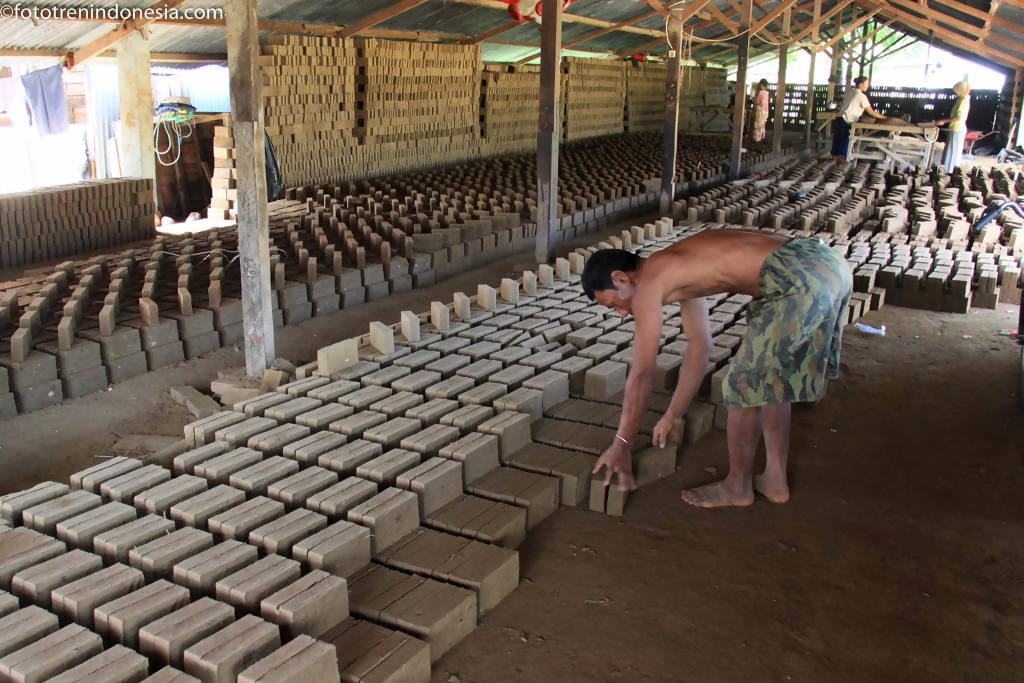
987, 218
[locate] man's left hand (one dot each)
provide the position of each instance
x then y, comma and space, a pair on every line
616, 460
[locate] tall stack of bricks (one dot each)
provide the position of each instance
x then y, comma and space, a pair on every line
593, 97
645, 97
509, 105
53, 222
223, 192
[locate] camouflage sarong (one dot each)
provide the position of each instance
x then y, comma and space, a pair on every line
796, 327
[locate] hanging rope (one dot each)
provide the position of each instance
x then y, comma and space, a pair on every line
170, 115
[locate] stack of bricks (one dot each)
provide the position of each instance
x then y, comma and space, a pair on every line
421, 105
223, 192
54, 222
509, 106
593, 97
645, 97
311, 104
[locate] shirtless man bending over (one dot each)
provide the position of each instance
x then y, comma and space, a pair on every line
800, 289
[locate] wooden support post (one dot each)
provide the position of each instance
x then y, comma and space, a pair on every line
809, 117
135, 89
549, 130
835, 73
780, 91
246, 82
738, 114
671, 139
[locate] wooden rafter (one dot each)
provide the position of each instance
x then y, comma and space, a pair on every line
609, 29
379, 16
567, 18
725, 21
811, 25
957, 39
158, 57
771, 16
974, 32
493, 32
989, 18
103, 43
853, 26
864, 39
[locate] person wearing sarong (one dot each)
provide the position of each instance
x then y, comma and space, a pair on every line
761, 109
957, 126
798, 291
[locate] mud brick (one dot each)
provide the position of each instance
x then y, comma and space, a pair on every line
295, 489
512, 376
343, 548
389, 515
430, 440
37, 369
699, 421
418, 359
510, 355
489, 571
247, 587
479, 350
368, 652
322, 417
115, 664
523, 400
219, 469
25, 626
238, 521
83, 355
332, 390
573, 468
483, 394
44, 517
273, 442
120, 619
198, 509
8, 604
537, 493
289, 410
220, 657
512, 430
303, 659
476, 452
576, 368
347, 458
362, 398
166, 639
124, 341
468, 418
439, 613
278, 536
164, 355
877, 298
417, 381
169, 675
605, 380
385, 376
479, 370
385, 468
618, 338
186, 462
598, 352
34, 584
90, 478
477, 332
8, 406
308, 450
391, 433
356, 424
76, 600
38, 396
335, 501
448, 365
125, 487
115, 544
80, 530
436, 482
292, 294
542, 360
13, 504
302, 387
50, 655
159, 499
200, 572
480, 518
653, 463
355, 371
256, 478
202, 431
240, 433
157, 557
553, 385
433, 411
598, 500
397, 404
451, 388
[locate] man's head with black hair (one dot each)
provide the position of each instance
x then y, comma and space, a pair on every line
610, 278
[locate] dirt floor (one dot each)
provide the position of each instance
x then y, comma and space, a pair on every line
900, 556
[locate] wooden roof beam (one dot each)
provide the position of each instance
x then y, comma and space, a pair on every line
566, 17
853, 26
976, 32
381, 15
609, 29
81, 55
155, 57
864, 39
474, 40
839, 7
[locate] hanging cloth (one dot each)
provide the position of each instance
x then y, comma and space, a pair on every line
44, 91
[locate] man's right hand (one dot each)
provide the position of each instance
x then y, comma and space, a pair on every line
616, 460
668, 430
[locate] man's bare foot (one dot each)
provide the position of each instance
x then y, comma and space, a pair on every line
717, 495
772, 486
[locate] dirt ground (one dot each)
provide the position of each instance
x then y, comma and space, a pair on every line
900, 556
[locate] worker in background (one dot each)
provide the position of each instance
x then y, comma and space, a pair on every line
761, 110
800, 290
855, 103
957, 126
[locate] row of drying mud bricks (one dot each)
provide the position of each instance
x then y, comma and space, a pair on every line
248, 478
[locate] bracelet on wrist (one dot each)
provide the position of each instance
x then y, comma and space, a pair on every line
623, 439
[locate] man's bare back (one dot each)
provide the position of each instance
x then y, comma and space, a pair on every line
710, 262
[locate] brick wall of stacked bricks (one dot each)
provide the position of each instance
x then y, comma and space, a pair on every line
54, 222
509, 105
593, 97
645, 98
355, 524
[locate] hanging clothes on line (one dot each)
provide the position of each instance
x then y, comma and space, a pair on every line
44, 91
